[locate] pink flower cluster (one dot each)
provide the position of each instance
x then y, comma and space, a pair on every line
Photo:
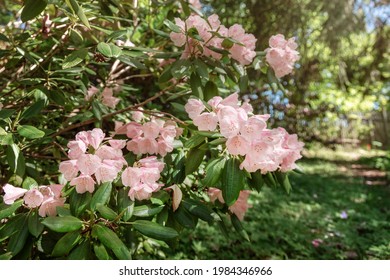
282, 55
212, 34
142, 178
264, 149
239, 208
91, 161
107, 96
153, 137
47, 198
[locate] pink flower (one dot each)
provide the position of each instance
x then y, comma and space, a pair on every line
231, 100
151, 130
76, 149
206, 121
194, 107
83, 184
240, 207
88, 164
69, 169
229, 126
49, 206
214, 102
140, 192
252, 129
238, 145
33, 198
12, 193
133, 130
106, 173
215, 194
91, 93
117, 144
282, 55
107, 152
317, 242
108, 98
137, 115
152, 162
95, 137
83, 136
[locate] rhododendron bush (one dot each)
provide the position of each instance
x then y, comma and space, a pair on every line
123, 124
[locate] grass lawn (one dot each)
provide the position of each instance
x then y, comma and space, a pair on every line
332, 213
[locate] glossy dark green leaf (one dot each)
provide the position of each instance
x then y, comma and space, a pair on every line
210, 90
32, 8
34, 224
283, 181
155, 230
66, 243
132, 62
200, 210
16, 160
125, 205
243, 83
194, 141
81, 252
101, 252
30, 132
102, 195
233, 181
196, 85
184, 218
147, 210
63, 224
193, 160
18, 239
109, 239
29, 183
33, 110
214, 171
269, 179
97, 111
239, 228
166, 75
79, 202
6, 113
8, 210
256, 181
12, 226
106, 212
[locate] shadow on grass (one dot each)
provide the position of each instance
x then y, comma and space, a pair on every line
329, 215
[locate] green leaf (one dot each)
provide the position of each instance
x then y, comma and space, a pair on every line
194, 141
79, 202
269, 180
6, 256
166, 75
13, 225
200, 210
239, 228
33, 110
106, 212
201, 68
34, 224
227, 43
132, 62
185, 218
7, 211
74, 58
81, 252
6, 113
102, 195
109, 49
66, 243
214, 171
18, 239
111, 241
16, 160
32, 8
29, 183
96, 109
196, 85
243, 83
283, 181
30, 132
101, 252
233, 181
147, 211
125, 205
155, 230
63, 224
210, 90
78, 11
172, 26
193, 160
256, 181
